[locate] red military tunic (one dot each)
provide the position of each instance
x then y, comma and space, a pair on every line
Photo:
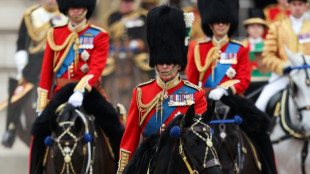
200, 64
142, 119
86, 46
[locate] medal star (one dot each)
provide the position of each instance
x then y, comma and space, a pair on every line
85, 55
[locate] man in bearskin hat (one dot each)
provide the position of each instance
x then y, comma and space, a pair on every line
156, 102
75, 53
221, 65
294, 33
36, 21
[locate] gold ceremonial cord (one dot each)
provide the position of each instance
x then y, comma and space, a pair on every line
211, 57
146, 108
72, 38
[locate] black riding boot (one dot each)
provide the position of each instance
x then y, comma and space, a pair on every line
11, 122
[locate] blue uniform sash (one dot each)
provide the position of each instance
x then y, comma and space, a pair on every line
220, 69
152, 127
70, 56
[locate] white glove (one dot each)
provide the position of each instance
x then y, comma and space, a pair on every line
76, 99
217, 93
21, 60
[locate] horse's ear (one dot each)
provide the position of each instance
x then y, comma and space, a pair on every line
207, 116
190, 113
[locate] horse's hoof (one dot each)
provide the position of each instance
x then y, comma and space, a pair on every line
8, 139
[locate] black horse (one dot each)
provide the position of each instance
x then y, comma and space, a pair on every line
186, 146
77, 142
243, 147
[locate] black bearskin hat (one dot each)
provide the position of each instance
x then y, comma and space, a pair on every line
166, 32
64, 5
215, 11
297, 0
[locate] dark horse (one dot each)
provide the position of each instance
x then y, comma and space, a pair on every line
186, 146
76, 142
240, 147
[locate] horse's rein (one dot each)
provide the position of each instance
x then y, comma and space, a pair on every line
185, 155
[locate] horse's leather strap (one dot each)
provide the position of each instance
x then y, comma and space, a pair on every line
197, 129
210, 163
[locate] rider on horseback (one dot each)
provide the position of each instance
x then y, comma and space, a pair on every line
75, 53
156, 102
293, 33
37, 20
221, 65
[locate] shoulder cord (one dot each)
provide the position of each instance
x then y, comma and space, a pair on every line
211, 57
146, 108
72, 38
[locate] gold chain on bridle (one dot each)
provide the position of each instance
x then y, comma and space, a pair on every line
209, 146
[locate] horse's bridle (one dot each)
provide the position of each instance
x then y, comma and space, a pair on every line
184, 153
236, 166
63, 145
305, 66
65, 150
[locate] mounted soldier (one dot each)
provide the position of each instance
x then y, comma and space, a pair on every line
32, 34
156, 102
221, 67
75, 53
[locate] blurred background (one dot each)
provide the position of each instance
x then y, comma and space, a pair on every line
15, 160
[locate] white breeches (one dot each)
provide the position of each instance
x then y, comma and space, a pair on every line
275, 84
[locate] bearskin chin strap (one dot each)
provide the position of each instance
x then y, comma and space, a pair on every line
168, 73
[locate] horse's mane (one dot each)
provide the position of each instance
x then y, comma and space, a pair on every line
147, 149
253, 119
140, 161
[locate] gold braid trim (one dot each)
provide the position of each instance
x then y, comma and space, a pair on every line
211, 57
42, 99
146, 108
83, 84
187, 83
73, 37
36, 34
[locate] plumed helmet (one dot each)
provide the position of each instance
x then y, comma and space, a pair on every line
215, 11
166, 32
64, 5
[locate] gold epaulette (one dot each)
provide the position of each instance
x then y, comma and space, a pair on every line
204, 41
245, 42
142, 11
188, 9
237, 42
145, 83
187, 83
30, 9
98, 28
